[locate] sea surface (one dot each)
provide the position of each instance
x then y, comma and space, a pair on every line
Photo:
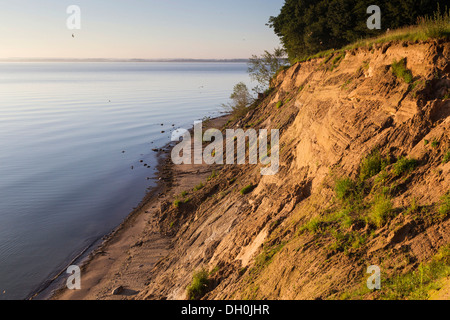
71, 139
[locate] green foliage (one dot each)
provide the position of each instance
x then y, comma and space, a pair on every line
184, 194
247, 189
265, 257
241, 100
176, 203
444, 208
199, 285
380, 211
437, 25
263, 68
313, 225
400, 71
306, 27
213, 175
199, 186
417, 284
373, 164
446, 157
404, 165
345, 188
435, 143
279, 104
337, 61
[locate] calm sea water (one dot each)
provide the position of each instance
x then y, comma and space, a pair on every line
64, 178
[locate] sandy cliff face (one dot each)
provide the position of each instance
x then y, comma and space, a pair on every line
295, 236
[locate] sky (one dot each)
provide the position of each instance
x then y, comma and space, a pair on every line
141, 29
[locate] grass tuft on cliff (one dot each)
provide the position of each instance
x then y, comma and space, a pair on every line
199, 285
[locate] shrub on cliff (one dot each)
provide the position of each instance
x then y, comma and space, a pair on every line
241, 99
199, 285
263, 68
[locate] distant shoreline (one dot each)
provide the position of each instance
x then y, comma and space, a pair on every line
122, 60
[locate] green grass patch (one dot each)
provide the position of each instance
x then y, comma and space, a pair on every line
404, 165
247, 189
373, 164
213, 175
176, 203
380, 211
313, 225
345, 188
446, 157
199, 186
279, 104
435, 143
417, 284
400, 71
444, 208
266, 256
199, 285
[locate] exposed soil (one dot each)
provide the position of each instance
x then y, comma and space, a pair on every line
292, 236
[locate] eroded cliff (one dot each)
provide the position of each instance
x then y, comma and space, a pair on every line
363, 180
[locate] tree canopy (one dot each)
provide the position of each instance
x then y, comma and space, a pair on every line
263, 68
306, 27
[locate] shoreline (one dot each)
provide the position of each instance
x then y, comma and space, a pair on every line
48, 289
105, 262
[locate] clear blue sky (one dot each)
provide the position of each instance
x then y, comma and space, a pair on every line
198, 29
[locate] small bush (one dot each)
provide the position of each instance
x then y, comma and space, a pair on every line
435, 143
404, 165
199, 186
372, 165
198, 286
438, 25
446, 157
213, 175
312, 226
184, 194
380, 211
400, 71
176, 203
248, 189
344, 188
279, 104
444, 208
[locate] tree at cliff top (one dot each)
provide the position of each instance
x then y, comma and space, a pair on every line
306, 27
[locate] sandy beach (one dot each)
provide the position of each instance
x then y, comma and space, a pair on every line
124, 261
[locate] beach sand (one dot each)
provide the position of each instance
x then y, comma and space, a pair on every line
126, 258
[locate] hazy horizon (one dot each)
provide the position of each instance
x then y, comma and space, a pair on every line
151, 30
